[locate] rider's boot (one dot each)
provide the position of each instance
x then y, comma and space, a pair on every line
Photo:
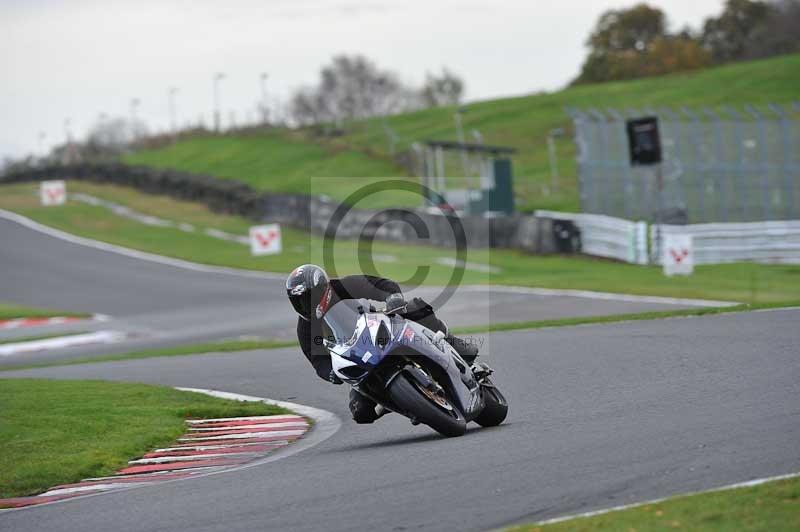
466, 350
363, 409
481, 371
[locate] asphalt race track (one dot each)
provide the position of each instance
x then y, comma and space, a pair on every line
159, 304
601, 415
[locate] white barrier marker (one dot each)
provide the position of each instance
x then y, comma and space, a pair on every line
265, 239
53, 193
678, 255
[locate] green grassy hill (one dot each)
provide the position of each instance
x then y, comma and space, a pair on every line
283, 160
275, 160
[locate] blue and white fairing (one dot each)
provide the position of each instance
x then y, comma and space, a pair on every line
360, 342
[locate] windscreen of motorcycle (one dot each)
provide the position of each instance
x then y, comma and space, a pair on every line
342, 320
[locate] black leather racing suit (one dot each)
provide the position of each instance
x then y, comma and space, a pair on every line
310, 333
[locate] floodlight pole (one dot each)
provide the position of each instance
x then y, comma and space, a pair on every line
219, 76
263, 79
67, 132
391, 137
460, 135
133, 107
172, 112
430, 169
464, 159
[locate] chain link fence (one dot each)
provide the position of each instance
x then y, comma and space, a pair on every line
724, 165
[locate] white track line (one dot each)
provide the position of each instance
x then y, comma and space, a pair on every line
746, 484
777, 309
589, 294
59, 342
141, 255
93, 487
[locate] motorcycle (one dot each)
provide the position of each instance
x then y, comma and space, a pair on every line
409, 369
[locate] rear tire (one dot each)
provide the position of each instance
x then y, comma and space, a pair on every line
410, 399
496, 408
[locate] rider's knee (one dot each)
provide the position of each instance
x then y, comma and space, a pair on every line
361, 408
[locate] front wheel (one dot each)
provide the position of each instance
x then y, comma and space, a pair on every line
427, 407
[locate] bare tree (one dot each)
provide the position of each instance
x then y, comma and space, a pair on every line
444, 89
113, 135
307, 107
779, 32
353, 87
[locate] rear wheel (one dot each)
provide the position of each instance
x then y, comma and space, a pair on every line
428, 407
496, 407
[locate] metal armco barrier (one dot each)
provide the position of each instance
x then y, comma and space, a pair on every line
770, 242
606, 236
714, 243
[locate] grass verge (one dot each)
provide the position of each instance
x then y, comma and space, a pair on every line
11, 311
57, 432
773, 506
230, 346
743, 282
280, 161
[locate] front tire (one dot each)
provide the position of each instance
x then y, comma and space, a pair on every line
412, 400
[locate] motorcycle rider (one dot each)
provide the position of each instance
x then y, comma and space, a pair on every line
312, 293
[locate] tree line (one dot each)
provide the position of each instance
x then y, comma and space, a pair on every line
353, 87
635, 42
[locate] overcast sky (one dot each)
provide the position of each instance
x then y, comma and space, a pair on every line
76, 59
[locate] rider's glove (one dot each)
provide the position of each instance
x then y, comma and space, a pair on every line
395, 303
333, 378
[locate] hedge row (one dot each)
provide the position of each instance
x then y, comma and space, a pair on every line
221, 195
